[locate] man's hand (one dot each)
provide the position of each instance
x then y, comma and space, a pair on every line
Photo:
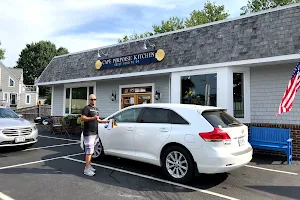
96, 117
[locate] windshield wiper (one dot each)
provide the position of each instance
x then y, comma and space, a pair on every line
234, 124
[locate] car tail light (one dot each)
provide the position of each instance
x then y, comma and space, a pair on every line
214, 136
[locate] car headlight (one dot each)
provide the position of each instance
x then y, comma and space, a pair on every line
34, 127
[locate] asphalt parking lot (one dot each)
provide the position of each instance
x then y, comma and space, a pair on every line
53, 169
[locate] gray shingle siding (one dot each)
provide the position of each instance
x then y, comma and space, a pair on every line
266, 35
271, 80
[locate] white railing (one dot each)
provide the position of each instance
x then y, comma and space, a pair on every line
29, 88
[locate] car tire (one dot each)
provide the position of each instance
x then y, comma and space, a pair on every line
98, 151
182, 172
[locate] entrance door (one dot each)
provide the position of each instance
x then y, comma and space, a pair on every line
144, 98
128, 100
136, 95
13, 99
135, 99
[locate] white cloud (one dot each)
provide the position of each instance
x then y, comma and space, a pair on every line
23, 22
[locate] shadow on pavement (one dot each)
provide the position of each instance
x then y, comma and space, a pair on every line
292, 192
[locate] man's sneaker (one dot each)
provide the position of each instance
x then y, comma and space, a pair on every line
89, 172
92, 168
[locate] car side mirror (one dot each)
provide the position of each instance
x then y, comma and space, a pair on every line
20, 115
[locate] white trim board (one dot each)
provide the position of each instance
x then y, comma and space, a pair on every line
242, 63
76, 85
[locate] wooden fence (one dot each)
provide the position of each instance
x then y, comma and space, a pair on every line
32, 112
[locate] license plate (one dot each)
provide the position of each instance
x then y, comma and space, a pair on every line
19, 139
241, 141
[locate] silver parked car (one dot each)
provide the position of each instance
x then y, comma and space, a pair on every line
16, 131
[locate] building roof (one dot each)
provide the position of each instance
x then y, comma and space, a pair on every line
265, 34
17, 72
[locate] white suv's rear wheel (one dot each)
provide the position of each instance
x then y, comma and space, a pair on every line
177, 164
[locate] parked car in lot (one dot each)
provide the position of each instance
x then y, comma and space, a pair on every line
182, 139
44, 120
16, 131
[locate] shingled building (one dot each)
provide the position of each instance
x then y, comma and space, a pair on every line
242, 64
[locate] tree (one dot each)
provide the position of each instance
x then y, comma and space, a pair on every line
135, 36
35, 57
172, 24
61, 51
258, 5
2, 52
210, 13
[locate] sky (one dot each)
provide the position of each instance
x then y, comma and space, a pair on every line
85, 24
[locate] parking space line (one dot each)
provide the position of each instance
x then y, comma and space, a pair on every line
39, 161
5, 197
57, 138
46, 147
272, 170
155, 179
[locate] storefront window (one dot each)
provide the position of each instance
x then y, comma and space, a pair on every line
199, 89
67, 101
238, 95
79, 98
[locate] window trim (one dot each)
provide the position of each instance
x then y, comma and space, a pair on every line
247, 93
176, 81
26, 99
200, 74
76, 85
9, 82
244, 106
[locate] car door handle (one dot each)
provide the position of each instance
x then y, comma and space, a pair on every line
129, 129
163, 130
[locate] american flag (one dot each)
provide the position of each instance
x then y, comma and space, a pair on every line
290, 92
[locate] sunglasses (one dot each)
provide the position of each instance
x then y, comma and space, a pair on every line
93, 99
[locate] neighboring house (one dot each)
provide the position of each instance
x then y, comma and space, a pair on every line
13, 92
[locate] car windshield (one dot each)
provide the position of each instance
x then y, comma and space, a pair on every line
220, 119
7, 113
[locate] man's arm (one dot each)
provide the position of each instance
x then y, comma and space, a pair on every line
102, 121
84, 115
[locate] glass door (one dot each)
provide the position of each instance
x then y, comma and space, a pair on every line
128, 100
136, 95
144, 98
13, 99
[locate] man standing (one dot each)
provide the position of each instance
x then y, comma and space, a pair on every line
90, 116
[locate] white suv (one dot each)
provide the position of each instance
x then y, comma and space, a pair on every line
182, 139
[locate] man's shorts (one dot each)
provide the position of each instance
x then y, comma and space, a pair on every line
89, 142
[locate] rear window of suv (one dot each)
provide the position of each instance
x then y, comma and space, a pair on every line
220, 119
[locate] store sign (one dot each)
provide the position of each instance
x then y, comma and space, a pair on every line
129, 60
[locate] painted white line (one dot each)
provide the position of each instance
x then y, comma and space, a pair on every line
57, 138
39, 161
272, 170
155, 179
46, 147
5, 197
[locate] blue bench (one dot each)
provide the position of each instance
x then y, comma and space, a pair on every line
272, 139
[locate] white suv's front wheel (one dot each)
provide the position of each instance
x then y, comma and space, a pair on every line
177, 164
98, 150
